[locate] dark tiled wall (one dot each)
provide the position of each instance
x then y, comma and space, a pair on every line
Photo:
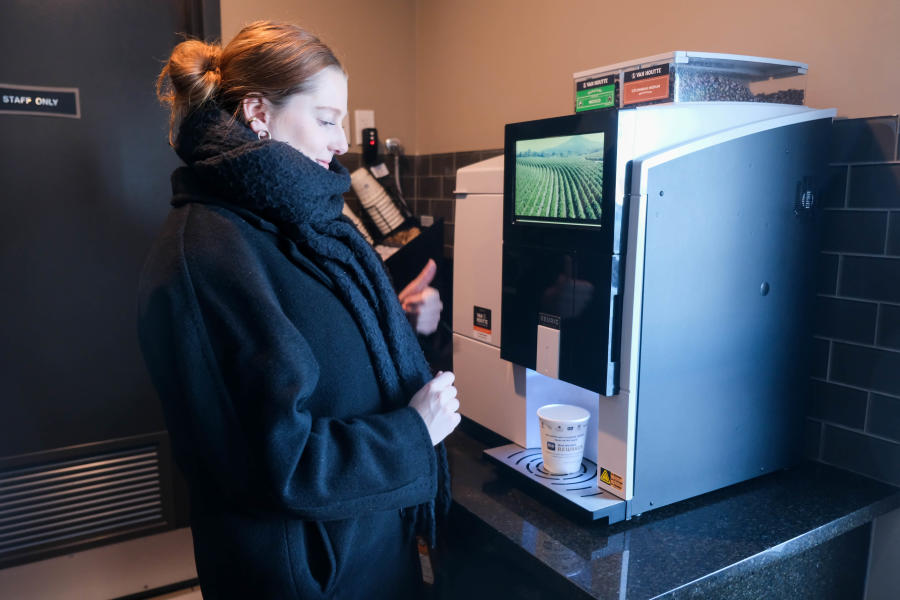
427, 182
434, 180
853, 418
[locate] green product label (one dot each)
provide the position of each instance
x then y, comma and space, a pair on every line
599, 92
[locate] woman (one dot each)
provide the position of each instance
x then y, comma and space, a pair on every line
298, 401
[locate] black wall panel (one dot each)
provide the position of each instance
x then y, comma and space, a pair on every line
81, 200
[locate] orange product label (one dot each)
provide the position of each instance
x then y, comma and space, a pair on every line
645, 90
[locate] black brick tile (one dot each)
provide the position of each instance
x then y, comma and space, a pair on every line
893, 234
421, 165
867, 368
826, 273
448, 187
443, 209
819, 358
430, 187
407, 165
871, 139
835, 191
448, 234
408, 183
871, 278
486, 154
862, 453
812, 433
837, 404
854, 231
444, 164
874, 186
467, 158
888, 327
849, 320
423, 207
884, 416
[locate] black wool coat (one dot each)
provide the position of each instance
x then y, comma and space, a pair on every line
298, 469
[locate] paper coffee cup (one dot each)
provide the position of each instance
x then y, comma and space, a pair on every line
563, 429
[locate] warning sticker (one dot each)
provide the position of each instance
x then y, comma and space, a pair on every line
610, 478
481, 324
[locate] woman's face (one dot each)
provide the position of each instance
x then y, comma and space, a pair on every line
311, 121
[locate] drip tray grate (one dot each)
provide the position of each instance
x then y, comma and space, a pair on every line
577, 492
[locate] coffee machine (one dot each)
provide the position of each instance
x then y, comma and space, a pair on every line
654, 265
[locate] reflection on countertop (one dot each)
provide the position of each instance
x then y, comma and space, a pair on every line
755, 537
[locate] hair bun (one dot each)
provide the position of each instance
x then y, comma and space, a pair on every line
190, 79
211, 59
192, 60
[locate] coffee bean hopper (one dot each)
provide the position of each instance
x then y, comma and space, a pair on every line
651, 261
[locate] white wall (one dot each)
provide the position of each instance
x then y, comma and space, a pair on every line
375, 41
446, 75
481, 64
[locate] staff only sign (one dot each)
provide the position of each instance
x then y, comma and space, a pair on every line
37, 101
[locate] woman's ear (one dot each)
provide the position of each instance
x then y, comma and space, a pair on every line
257, 113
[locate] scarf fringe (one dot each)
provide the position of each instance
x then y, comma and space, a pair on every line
424, 519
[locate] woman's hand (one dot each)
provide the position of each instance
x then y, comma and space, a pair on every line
437, 404
421, 302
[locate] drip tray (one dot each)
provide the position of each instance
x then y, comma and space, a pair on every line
577, 492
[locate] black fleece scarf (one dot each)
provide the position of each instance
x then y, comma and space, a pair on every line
304, 200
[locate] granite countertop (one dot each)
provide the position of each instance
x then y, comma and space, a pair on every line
697, 543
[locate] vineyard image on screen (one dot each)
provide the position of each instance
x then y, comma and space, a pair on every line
560, 178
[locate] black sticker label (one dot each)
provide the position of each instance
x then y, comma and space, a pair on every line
482, 319
34, 100
655, 71
548, 320
596, 82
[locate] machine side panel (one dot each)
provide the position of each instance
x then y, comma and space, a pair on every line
477, 254
726, 308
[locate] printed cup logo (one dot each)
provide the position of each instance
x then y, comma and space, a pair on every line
563, 430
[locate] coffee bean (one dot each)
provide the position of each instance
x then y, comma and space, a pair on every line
789, 96
689, 84
701, 86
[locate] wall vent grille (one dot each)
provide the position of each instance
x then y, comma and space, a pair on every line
78, 498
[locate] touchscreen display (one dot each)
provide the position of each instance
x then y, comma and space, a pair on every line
560, 179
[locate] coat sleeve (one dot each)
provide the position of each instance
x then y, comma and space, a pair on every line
245, 377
